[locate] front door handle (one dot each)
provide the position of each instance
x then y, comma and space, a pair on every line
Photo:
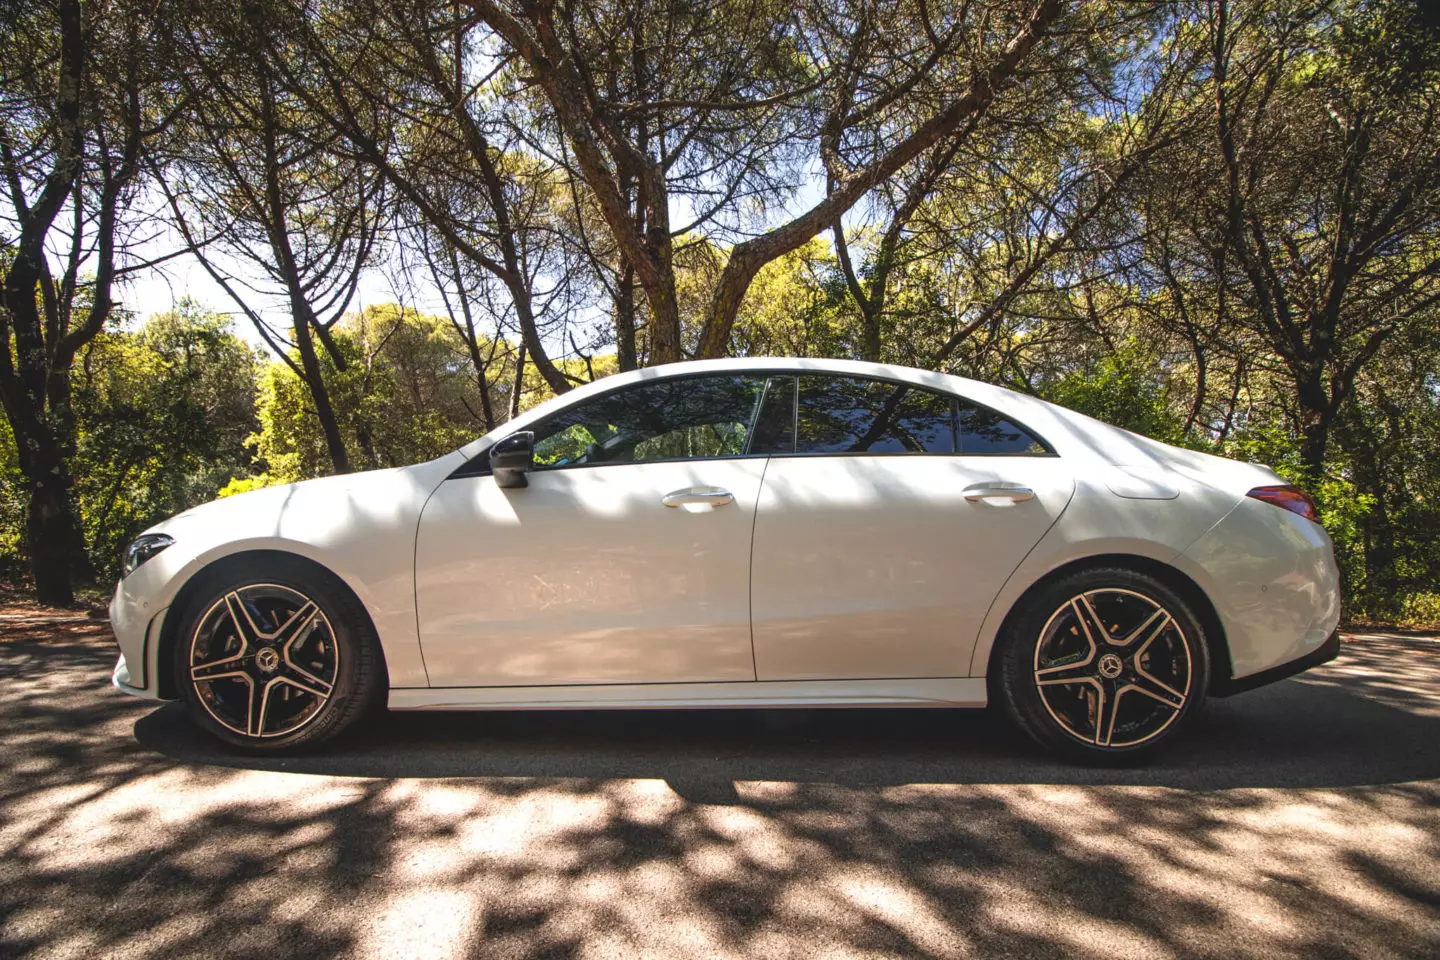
713, 496
998, 491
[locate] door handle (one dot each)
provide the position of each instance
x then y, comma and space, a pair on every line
1013, 492
712, 496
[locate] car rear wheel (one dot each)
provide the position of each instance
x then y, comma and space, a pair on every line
277, 656
1104, 666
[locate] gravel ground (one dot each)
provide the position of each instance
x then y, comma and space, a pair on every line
1302, 820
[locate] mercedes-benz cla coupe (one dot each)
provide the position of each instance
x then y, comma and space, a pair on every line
744, 533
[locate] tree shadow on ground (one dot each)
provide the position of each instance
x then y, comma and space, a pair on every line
1300, 733
876, 833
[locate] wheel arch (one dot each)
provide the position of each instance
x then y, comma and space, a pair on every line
168, 686
1176, 579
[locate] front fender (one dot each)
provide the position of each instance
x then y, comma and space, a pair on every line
359, 527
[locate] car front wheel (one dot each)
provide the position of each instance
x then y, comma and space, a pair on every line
1104, 666
277, 656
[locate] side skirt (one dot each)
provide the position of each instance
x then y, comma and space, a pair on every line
946, 692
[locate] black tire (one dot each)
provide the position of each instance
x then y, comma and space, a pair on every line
313, 673
1145, 677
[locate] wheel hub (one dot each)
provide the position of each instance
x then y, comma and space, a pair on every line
267, 659
1110, 666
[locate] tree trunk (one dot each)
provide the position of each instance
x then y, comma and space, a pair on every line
1315, 438
665, 322
519, 387
315, 382
1316, 417
1197, 406
52, 537
37, 404
869, 312
626, 354
482, 382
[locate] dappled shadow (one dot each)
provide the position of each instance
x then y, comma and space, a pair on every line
1315, 733
1399, 671
884, 833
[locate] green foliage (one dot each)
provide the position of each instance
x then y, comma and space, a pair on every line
245, 484
12, 506
162, 413
407, 393
797, 307
1125, 389
1420, 609
1228, 246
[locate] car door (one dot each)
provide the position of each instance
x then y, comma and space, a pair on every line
884, 533
624, 560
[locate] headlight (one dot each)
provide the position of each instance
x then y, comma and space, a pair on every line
145, 546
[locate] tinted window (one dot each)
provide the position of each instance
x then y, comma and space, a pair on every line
853, 415
680, 419
775, 429
986, 432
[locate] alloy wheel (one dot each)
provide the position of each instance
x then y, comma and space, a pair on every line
264, 660
1113, 668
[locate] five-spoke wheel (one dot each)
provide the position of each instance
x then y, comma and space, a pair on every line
1104, 663
277, 659
264, 660
1112, 667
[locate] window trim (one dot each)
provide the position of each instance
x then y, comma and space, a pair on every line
479, 465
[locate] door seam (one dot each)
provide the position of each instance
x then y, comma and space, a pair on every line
750, 578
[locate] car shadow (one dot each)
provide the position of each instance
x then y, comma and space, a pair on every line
1300, 733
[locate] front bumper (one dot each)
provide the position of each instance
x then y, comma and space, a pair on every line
137, 633
1324, 653
120, 680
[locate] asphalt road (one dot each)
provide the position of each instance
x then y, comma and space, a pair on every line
1298, 821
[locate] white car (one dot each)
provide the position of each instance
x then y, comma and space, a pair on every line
744, 533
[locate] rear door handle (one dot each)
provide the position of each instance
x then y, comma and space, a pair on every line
713, 496
998, 491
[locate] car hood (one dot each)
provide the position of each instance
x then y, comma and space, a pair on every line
312, 505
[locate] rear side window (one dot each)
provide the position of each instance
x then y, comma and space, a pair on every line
840, 415
985, 432
854, 415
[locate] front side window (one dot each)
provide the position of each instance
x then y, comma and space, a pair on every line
686, 418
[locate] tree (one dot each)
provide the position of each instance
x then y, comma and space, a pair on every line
875, 89
405, 390
397, 84
1324, 189
84, 95
260, 180
163, 415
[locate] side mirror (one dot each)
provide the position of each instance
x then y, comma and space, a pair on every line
511, 458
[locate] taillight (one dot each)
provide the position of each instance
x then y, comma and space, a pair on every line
1289, 498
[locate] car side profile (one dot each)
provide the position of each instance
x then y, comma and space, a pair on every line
744, 533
